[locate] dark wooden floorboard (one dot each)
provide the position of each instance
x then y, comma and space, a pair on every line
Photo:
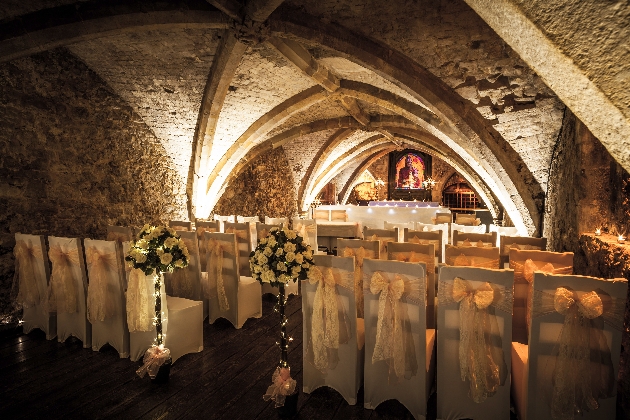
227, 380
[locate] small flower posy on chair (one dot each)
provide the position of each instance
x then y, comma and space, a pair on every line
281, 257
157, 250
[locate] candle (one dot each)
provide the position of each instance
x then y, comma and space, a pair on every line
621, 239
598, 232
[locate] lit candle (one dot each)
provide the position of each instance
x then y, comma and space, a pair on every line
598, 232
621, 239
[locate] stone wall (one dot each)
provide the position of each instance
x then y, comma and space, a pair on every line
264, 188
589, 190
74, 157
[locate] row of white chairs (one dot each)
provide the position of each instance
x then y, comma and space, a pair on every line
391, 351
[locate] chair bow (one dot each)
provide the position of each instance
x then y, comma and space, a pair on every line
383, 241
139, 307
359, 254
25, 277
464, 261
391, 344
478, 363
240, 234
100, 302
216, 249
575, 387
62, 289
305, 230
412, 256
325, 319
203, 246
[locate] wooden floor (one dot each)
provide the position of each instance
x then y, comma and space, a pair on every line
47, 379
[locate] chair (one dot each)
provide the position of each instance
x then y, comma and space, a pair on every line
333, 337
474, 343
180, 225
307, 229
223, 220
399, 356
319, 214
243, 235
444, 227
282, 221
67, 289
338, 216
487, 240
384, 236
524, 263
442, 217
471, 256
244, 219
412, 252
106, 296
359, 249
503, 231
263, 229
425, 238
567, 358
189, 282
506, 243
465, 229
200, 228
31, 286
182, 319
232, 297
467, 219
400, 226
119, 234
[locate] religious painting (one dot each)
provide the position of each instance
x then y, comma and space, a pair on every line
410, 170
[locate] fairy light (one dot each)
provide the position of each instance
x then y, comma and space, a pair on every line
598, 232
621, 239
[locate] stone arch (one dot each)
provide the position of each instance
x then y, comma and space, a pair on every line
344, 194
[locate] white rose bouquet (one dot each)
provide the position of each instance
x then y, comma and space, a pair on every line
281, 257
157, 248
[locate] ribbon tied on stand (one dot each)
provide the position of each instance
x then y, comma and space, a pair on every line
283, 386
153, 359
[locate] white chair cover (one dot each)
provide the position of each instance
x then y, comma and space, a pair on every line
30, 286
231, 296
243, 219
360, 250
442, 217
307, 228
474, 343
106, 306
434, 238
524, 243
243, 233
401, 226
418, 253
200, 228
572, 361
180, 225
67, 290
524, 263
189, 282
119, 234
399, 357
466, 229
283, 221
444, 227
333, 338
503, 231
223, 220
182, 319
384, 236
319, 214
487, 240
338, 216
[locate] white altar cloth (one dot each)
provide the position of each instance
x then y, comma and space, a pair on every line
375, 216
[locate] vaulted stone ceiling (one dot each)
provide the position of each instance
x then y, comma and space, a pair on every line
335, 83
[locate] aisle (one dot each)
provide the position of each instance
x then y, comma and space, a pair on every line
40, 378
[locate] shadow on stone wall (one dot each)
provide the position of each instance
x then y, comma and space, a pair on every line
264, 188
73, 158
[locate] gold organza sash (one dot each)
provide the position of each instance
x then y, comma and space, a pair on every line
359, 254
394, 343
472, 261
507, 247
524, 273
481, 359
181, 281
416, 240
27, 257
305, 231
62, 289
479, 244
329, 325
203, 245
580, 370
240, 234
140, 302
383, 241
216, 249
412, 256
100, 299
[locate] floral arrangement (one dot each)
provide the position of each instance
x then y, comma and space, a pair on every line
157, 248
281, 257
